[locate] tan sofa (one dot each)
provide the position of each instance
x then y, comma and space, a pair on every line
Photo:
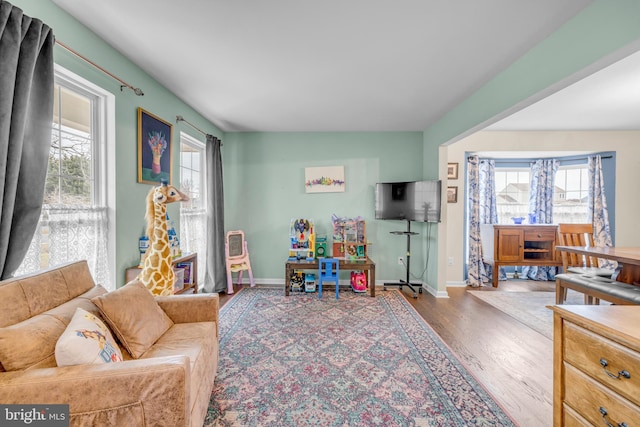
169, 385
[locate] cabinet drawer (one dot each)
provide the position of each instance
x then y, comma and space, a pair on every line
572, 419
585, 350
539, 236
588, 398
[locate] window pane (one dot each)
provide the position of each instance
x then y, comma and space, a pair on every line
573, 180
512, 194
187, 181
570, 201
74, 109
185, 159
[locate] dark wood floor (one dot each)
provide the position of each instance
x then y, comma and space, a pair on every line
512, 361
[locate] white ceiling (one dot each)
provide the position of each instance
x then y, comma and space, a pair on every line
337, 65
606, 100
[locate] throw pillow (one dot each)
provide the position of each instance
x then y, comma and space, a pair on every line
134, 317
86, 340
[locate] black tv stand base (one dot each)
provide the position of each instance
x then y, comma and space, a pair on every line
406, 282
408, 285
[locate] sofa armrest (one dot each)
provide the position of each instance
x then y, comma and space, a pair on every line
154, 391
191, 307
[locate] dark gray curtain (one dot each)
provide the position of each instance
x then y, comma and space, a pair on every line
215, 279
26, 111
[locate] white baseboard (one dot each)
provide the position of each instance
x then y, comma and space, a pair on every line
436, 293
456, 284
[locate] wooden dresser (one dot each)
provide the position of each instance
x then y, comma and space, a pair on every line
596, 369
519, 245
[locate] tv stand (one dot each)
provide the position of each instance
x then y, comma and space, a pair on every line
406, 282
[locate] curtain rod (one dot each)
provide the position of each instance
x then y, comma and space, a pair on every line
123, 84
514, 160
182, 119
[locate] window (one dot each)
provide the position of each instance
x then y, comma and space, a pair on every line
512, 193
193, 213
570, 203
75, 218
570, 195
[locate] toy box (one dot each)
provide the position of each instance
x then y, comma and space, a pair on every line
310, 282
297, 281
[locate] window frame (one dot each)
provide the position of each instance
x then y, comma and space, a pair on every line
200, 146
202, 210
103, 122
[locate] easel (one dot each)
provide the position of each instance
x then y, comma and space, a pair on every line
406, 282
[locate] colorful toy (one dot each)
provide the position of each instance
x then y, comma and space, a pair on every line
301, 240
349, 238
358, 281
157, 271
321, 246
297, 281
310, 282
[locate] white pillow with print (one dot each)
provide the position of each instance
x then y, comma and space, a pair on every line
86, 341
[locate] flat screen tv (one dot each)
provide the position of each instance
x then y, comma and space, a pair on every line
412, 201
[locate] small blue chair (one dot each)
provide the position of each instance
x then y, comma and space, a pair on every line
328, 271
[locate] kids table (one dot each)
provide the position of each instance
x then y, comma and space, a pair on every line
344, 264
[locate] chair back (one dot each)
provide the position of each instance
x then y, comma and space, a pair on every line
328, 268
576, 235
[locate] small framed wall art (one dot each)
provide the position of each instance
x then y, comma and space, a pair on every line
452, 194
452, 170
324, 179
154, 148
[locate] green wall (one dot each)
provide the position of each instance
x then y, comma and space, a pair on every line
264, 190
130, 196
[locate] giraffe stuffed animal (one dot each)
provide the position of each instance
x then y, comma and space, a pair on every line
157, 269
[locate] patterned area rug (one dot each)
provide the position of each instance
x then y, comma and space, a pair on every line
356, 361
529, 307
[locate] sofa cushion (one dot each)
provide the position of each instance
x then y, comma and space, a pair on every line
86, 340
134, 317
32, 342
29, 342
26, 296
193, 340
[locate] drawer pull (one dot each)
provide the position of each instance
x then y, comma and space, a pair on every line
623, 374
604, 417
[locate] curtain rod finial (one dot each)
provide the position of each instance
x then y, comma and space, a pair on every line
179, 119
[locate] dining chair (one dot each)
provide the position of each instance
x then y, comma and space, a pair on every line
579, 235
236, 258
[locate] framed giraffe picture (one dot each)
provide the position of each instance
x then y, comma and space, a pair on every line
154, 148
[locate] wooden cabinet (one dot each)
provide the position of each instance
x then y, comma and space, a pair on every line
508, 244
596, 367
523, 245
192, 259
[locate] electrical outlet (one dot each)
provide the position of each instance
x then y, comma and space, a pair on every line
400, 260
450, 260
